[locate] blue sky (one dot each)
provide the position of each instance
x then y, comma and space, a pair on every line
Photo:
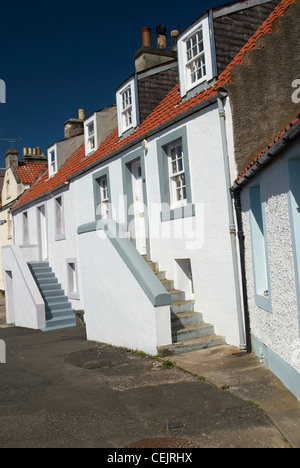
59, 56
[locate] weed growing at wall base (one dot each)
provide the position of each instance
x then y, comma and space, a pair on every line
2, 352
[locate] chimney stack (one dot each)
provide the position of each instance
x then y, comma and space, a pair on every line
33, 155
146, 37
148, 56
11, 158
74, 127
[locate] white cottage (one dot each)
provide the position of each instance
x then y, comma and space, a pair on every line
137, 226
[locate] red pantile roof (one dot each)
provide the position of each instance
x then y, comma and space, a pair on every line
29, 171
171, 106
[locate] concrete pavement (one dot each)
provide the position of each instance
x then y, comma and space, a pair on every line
59, 390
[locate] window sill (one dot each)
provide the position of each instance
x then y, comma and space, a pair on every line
263, 302
179, 212
74, 295
60, 237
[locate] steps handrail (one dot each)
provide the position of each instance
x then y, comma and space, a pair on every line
146, 278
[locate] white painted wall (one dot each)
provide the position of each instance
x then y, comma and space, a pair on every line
118, 311
277, 330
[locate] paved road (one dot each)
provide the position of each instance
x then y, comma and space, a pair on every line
59, 390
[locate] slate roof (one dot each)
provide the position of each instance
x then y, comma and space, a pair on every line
170, 107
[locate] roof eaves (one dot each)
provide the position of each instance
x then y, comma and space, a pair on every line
150, 133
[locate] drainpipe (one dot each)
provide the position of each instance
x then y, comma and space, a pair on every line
232, 228
238, 209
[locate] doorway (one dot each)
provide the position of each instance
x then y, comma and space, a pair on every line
42, 233
138, 227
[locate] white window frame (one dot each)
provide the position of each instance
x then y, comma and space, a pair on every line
176, 171
185, 62
88, 138
72, 277
123, 124
25, 228
104, 197
52, 160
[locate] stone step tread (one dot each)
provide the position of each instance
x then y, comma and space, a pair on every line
194, 344
194, 326
179, 315
183, 301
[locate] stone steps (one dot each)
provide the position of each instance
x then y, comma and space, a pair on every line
58, 309
189, 331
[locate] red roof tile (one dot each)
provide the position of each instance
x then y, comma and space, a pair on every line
29, 171
170, 107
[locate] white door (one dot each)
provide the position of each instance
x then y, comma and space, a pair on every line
42, 226
138, 207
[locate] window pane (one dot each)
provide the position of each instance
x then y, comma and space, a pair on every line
91, 130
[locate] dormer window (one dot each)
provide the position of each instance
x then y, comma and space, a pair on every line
194, 57
52, 161
90, 135
126, 107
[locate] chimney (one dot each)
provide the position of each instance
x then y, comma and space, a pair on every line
146, 37
161, 37
174, 36
74, 127
11, 158
147, 56
81, 114
33, 155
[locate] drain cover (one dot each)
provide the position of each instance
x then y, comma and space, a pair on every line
175, 425
164, 442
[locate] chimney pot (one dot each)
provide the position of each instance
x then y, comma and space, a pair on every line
38, 151
174, 35
24, 151
29, 150
161, 37
81, 114
34, 151
146, 37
